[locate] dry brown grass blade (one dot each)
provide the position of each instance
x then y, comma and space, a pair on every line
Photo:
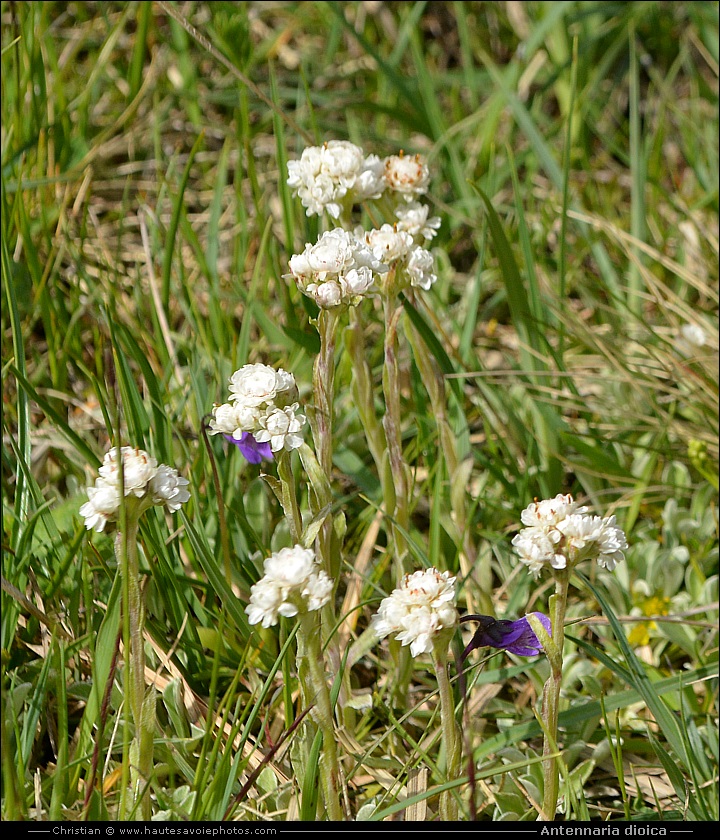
417, 784
41, 616
627, 241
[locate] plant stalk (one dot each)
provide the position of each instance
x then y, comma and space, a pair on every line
551, 697
311, 668
141, 749
450, 732
392, 423
458, 472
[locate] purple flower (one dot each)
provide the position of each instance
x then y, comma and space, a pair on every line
516, 637
251, 450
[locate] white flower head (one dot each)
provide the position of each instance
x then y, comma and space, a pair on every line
233, 419
260, 385
102, 505
333, 176
358, 282
168, 488
317, 590
263, 404
142, 479
327, 295
611, 544
137, 469
580, 532
397, 249
389, 244
415, 612
421, 268
536, 550
282, 427
407, 175
550, 511
293, 581
266, 603
560, 534
339, 269
412, 217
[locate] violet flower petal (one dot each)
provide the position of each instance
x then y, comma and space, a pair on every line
516, 637
250, 449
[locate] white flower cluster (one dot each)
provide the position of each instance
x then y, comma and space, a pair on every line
406, 174
397, 249
263, 403
559, 533
142, 478
338, 269
422, 606
412, 217
335, 175
292, 582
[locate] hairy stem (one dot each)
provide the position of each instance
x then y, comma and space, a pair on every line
392, 423
364, 393
450, 732
457, 471
311, 667
323, 389
141, 750
551, 697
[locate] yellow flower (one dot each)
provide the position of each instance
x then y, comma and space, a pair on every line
654, 605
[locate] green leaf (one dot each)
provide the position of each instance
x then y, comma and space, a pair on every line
638, 678
222, 590
178, 208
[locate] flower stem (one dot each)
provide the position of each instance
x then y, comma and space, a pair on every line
450, 732
311, 669
141, 750
400, 512
323, 388
364, 394
320, 478
551, 696
458, 471
393, 433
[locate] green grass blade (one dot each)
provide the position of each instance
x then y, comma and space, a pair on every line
22, 493
310, 787
137, 63
592, 709
217, 580
639, 680
175, 221
637, 169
